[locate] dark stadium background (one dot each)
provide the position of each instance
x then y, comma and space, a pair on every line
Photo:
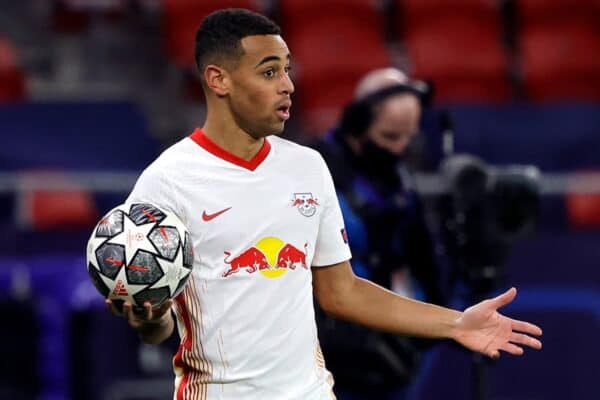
92, 90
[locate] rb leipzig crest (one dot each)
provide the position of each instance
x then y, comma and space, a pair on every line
305, 203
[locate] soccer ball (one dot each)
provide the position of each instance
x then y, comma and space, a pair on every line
139, 253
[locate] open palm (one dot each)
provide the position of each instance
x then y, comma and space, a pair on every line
483, 329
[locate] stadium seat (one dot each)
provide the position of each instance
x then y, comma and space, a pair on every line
333, 44
12, 79
75, 138
46, 209
561, 64
559, 47
537, 12
425, 12
180, 21
583, 209
75, 16
456, 45
67, 19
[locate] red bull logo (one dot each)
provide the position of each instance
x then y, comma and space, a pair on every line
271, 257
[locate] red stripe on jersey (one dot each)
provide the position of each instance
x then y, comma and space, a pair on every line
182, 386
203, 141
185, 344
196, 370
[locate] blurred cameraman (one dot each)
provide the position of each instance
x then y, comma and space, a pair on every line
386, 229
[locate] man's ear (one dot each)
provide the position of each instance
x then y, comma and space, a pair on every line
216, 79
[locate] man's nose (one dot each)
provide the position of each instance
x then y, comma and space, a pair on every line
287, 86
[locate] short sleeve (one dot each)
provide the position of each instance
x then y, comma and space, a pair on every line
332, 240
154, 187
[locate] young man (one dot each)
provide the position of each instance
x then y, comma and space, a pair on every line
267, 232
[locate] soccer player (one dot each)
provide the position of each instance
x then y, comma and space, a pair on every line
268, 233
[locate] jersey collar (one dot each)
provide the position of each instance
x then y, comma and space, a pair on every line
204, 141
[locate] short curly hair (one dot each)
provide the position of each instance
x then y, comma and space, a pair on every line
218, 39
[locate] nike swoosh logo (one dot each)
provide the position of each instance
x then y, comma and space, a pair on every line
209, 217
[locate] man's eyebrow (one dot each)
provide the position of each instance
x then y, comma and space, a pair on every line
270, 58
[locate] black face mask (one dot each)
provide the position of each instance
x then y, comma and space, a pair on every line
378, 163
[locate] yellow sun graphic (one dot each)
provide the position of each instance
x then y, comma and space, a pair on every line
270, 246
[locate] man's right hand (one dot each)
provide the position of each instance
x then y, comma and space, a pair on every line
153, 325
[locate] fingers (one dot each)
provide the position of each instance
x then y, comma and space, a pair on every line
504, 298
145, 314
507, 347
139, 314
113, 308
526, 327
128, 311
166, 306
511, 348
513, 345
525, 340
155, 315
147, 311
495, 354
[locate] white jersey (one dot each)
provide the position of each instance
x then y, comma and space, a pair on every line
246, 317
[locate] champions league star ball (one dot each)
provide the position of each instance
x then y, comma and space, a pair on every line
139, 253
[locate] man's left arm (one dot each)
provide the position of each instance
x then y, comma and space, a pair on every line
479, 328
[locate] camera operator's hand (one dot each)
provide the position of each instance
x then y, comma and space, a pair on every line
153, 325
481, 328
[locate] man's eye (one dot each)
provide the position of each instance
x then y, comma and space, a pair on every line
269, 73
288, 69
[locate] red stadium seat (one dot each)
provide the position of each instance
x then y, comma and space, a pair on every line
583, 210
69, 19
333, 44
458, 46
44, 209
561, 64
559, 46
425, 12
12, 79
181, 19
74, 16
50, 210
536, 12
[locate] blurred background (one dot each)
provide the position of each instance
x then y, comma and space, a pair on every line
92, 90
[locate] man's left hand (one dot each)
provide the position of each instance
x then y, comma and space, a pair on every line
483, 329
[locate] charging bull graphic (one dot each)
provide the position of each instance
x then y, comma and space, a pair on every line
270, 256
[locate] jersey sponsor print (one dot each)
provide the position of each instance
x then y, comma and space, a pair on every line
271, 256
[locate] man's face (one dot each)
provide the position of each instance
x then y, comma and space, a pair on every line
261, 86
396, 122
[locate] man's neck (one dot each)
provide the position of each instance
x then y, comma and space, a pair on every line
226, 134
